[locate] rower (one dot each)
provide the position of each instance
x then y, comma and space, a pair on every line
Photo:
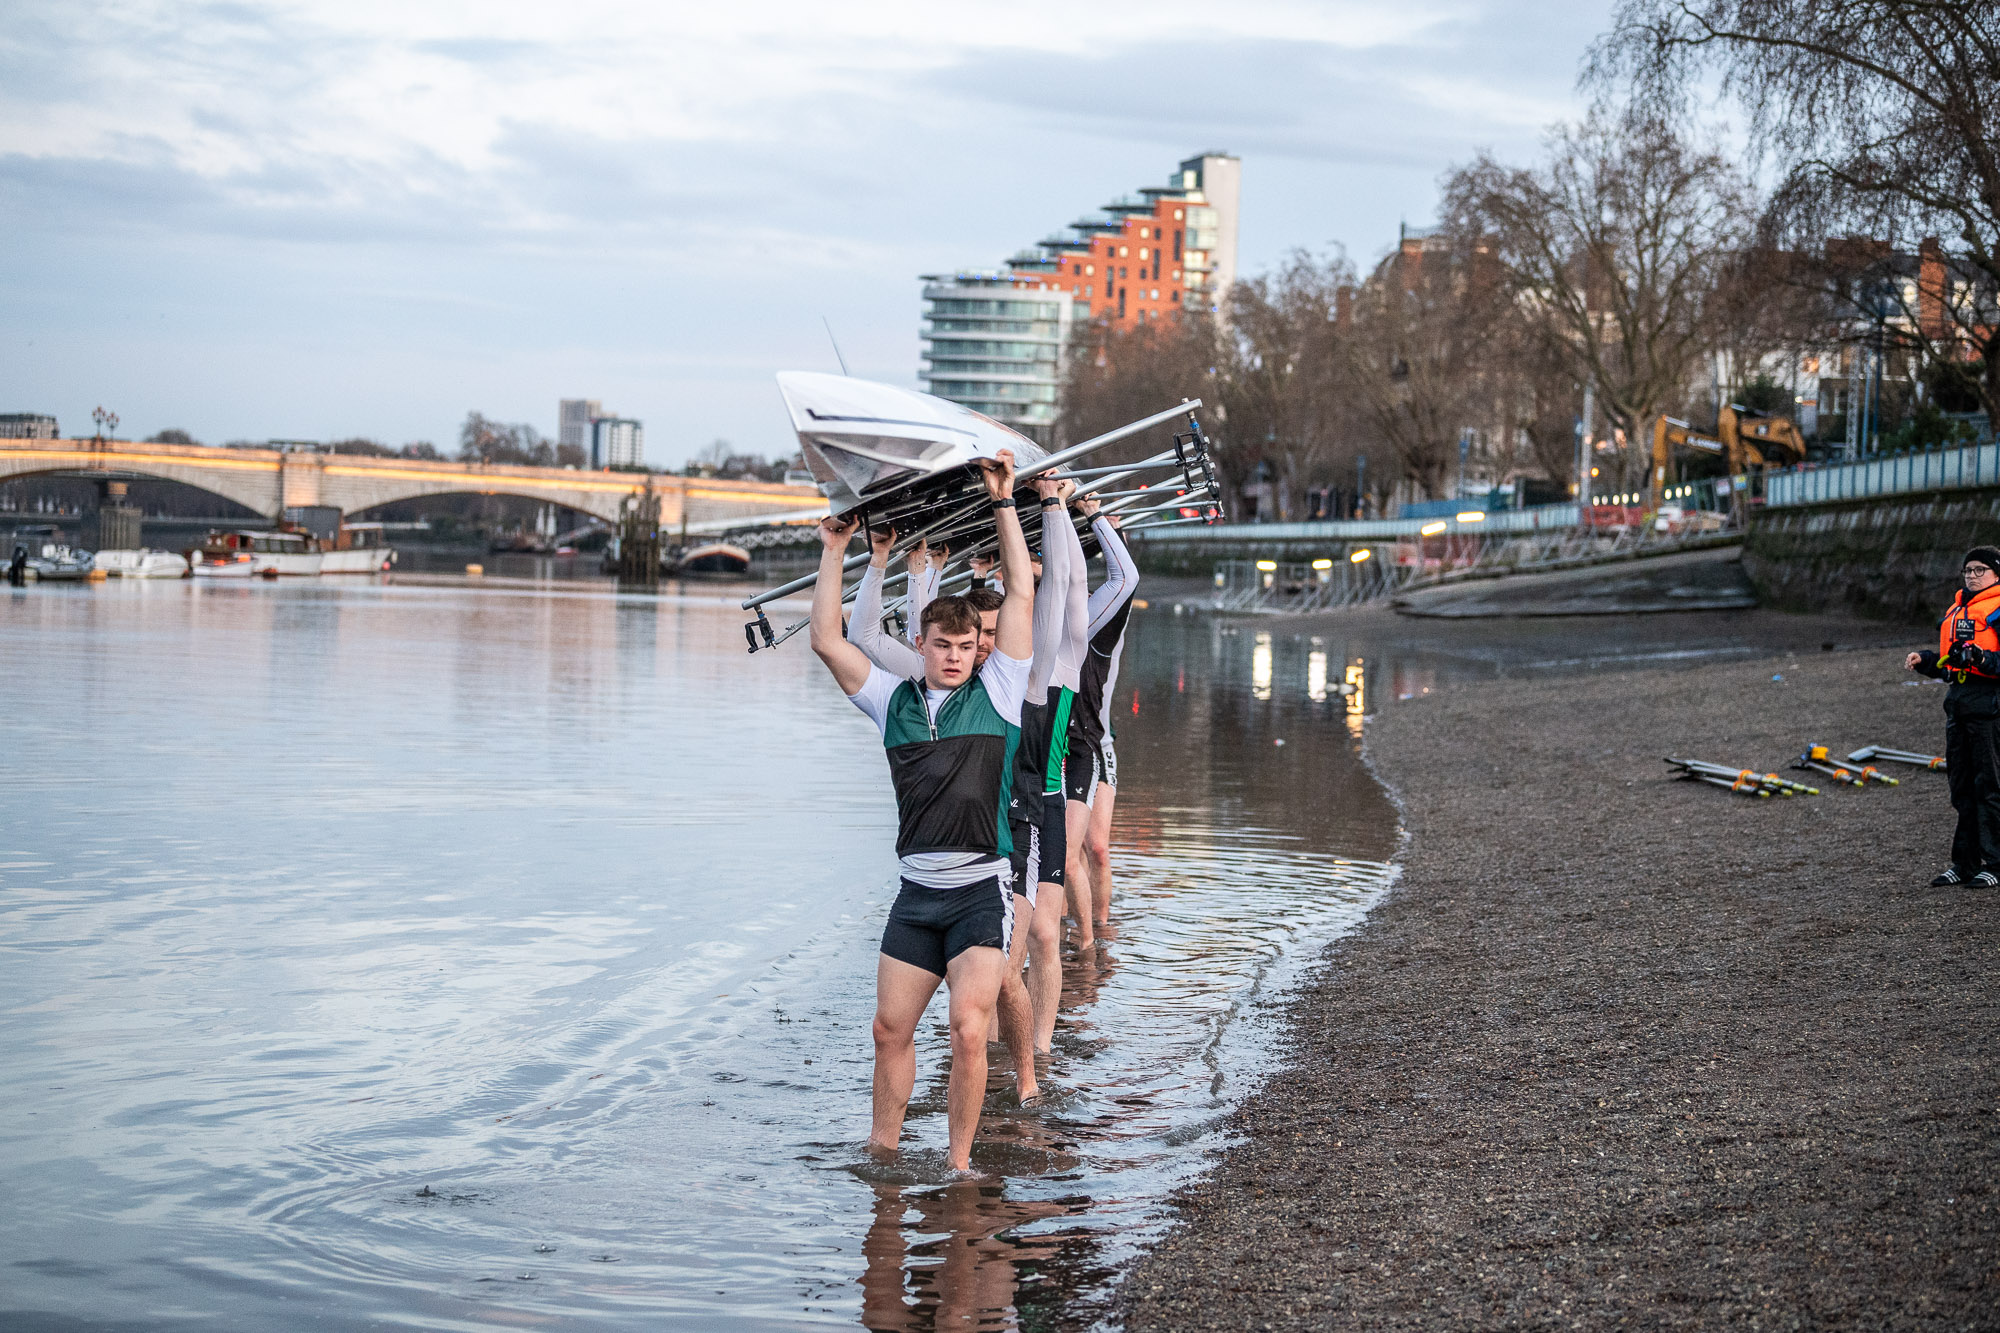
1091, 776
948, 735
1014, 1018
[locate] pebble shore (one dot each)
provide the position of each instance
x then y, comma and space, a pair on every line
1623, 1051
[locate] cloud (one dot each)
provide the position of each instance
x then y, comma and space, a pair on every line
675, 194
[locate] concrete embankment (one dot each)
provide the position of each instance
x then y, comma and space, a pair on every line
1892, 559
1625, 1051
1711, 580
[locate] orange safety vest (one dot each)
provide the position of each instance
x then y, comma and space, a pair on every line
1968, 621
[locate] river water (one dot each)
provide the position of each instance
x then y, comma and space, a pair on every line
454, 956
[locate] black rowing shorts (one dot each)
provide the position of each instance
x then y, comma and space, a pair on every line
1054, 838
929, 927
1027, 861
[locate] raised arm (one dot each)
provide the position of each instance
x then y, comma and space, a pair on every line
1076, 604
1052, 593
849, 665
864, 625
923, 590
1016, 631
1121, 578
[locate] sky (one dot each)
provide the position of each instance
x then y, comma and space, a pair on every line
322, 220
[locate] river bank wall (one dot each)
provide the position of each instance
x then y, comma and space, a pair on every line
1622, 1051
1893, 558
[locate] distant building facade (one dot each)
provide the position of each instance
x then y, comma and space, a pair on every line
617, 442
573, 418
994, 340
27, 426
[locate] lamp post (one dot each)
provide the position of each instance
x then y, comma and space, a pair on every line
1361, 485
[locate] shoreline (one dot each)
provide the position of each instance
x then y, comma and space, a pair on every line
1620, 1048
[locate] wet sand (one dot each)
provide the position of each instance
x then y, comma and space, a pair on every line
1621, 1050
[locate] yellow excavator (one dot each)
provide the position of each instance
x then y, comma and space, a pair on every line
1743, 437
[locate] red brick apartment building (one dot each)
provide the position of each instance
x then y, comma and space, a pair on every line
994, 339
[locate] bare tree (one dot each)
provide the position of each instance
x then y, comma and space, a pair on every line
483, 440
1614, 247
1885, 117
1112, 376
1283, 374
1418, 350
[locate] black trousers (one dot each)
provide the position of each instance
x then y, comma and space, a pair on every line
1972, 766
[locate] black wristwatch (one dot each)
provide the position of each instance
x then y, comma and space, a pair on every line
1007, 503
1051, 501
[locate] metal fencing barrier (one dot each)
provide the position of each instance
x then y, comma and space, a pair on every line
1898, 474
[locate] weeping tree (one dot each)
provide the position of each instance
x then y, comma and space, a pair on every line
1614, 248
1883, 117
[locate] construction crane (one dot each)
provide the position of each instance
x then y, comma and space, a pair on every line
1744, 438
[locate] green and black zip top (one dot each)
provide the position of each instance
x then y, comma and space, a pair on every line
953, 775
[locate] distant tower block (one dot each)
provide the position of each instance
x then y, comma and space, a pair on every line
618, 442
573, 420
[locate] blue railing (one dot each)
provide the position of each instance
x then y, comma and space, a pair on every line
1897, 474
1539, 519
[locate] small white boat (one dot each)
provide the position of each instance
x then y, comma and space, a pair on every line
864, 442
56, 563
144, 563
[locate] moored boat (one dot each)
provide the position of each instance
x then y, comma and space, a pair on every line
237, 565
361, 548
56, 563
711, 558
144, 563
273, 554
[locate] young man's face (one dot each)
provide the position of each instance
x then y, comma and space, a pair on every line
989, 628
950, 658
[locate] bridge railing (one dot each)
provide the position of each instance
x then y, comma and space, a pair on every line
1898, 474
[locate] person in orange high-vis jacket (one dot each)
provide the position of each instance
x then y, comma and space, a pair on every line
1968, 656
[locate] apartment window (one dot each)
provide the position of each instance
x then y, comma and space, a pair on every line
1076, 270
1177, 275
1177, 218
1121, 303
1142, 236
1142, 252
1124, 272
1090, 268
1123, 251
1177, 238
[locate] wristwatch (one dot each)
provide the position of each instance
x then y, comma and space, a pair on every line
1007, 503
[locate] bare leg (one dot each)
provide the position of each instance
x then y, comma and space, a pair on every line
1016, 1015
1097, 851
1045, 962
975, 989
901, 992
1075, 870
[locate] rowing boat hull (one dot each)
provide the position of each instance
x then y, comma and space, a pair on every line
866, 442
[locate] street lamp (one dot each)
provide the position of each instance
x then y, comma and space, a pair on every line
106, 422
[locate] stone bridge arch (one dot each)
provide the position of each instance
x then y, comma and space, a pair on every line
270, 480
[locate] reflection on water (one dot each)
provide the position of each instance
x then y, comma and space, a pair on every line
438, 957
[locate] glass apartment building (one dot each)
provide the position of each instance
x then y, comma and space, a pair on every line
996, 346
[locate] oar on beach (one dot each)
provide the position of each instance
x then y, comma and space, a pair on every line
1867, 752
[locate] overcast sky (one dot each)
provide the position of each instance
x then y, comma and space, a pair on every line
320, 219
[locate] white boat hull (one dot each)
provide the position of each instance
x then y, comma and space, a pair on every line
142, 564
367, 560
286, 564
864, 441
224, 569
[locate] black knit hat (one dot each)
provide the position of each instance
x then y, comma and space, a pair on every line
1988, 556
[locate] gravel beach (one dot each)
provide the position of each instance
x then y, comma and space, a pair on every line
1627, 1051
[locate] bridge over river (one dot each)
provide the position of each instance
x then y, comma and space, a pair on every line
271, 481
